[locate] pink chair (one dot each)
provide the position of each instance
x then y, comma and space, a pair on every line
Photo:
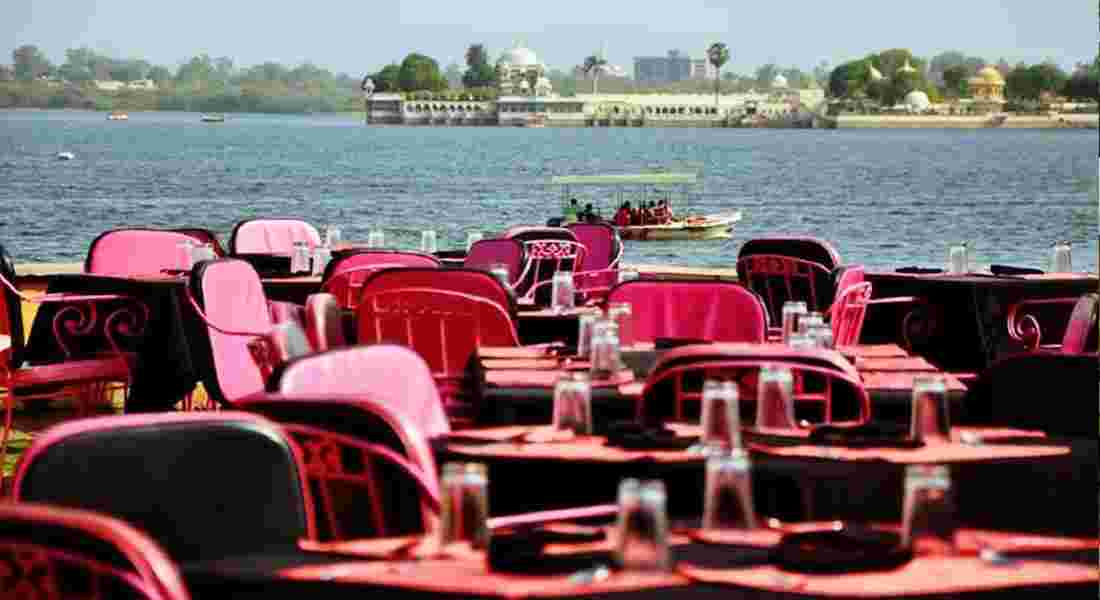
693, 310
1080, 334
848, 313
465, 281
271, 236
783, 269
364, 462
344, 276
124, 252
284, 343
49, 549
324, 322
445, 327
393, 376
486, 253
537, 270
604, 251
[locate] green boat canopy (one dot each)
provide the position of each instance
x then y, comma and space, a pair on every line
647, 179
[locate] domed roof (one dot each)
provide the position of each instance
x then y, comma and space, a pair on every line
907, 68
917, 100
523, 85
780, 81
991, 75
519, 57
876, 75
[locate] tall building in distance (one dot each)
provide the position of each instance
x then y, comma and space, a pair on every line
676, 66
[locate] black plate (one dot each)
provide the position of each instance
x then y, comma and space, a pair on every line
849, 550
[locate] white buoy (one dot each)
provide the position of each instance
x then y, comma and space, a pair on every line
65, 156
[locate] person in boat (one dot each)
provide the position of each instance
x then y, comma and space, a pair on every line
588, 215
647, 214
624, 215
570, 215
662, 215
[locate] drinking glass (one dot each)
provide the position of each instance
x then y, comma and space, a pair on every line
727, 499
376, 239
202, 252
720, 418
775, 403
586, 323
299, 258
800, 341
643, 527
184, 255
429, 243
822, 336
808, 321
930, 419
465, 504
622, 314
562, 292
321, 257
792, 314
605, 352
473, 237
958, 259
573, 404
928, 516
332, 236
628, 275
1061, 260
502, 273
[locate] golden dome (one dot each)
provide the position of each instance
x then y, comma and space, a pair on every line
991, 75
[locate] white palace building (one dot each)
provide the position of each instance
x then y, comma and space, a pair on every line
527, 99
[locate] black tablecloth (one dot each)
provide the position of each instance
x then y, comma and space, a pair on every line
166, 366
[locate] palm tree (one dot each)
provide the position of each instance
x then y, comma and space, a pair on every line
594, 64
718, 54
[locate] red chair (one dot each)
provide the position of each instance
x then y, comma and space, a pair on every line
848, 313
124, 252
486, 253
445, 327
466, 281
1080, 334
324, 322
537, 270
823, 380
783, 269
710, 311
604, 251
271, 236
205, 486
364, 462
344, 276
392, 376
54, 552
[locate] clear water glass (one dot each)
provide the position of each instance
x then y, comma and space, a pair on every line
810, 320
605, 354
822, 336
1061, 260
727, 497
376, 239
958, 259
472, 238
775, 398
928, 514
930, 420
792, 314
720, 418
586, 324
573, 404
429, 243
642, 541
502, 273
801, 341
332, 236
185, 255
299, 258
321, 257
623, 315
562, 292
202, 252
626, 275
464, 504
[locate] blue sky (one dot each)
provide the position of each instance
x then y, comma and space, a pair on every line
359, 37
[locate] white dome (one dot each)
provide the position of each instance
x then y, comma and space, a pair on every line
523, 85
918, 100
780, 81
519, 57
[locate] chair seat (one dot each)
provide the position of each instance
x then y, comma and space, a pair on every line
94, 369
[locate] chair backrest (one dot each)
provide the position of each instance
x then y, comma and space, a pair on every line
393, 376
848, 313
539, 269
364, 463
345, 275
49, 549
710, 311
271, 236
486, 253
466, 281
324, 322
284, 343
780, 279
230, 293
204, 236
1081, 332
443, 326
203, 485
11, 310
603, 245
827, 387
805, 248
544, 259
135, 251
847, 276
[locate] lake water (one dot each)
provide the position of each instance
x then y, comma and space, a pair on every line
885, 198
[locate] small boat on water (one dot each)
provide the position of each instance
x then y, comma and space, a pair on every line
641, 188
118, 115
212, 118
65, 156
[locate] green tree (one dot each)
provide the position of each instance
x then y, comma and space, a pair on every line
30, 63
849, 78
196, 70
593, 64
159, 74
6, 73
479, 73
717, 55
955, 80
1030, 83
765, 75
129, 70
419, 72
